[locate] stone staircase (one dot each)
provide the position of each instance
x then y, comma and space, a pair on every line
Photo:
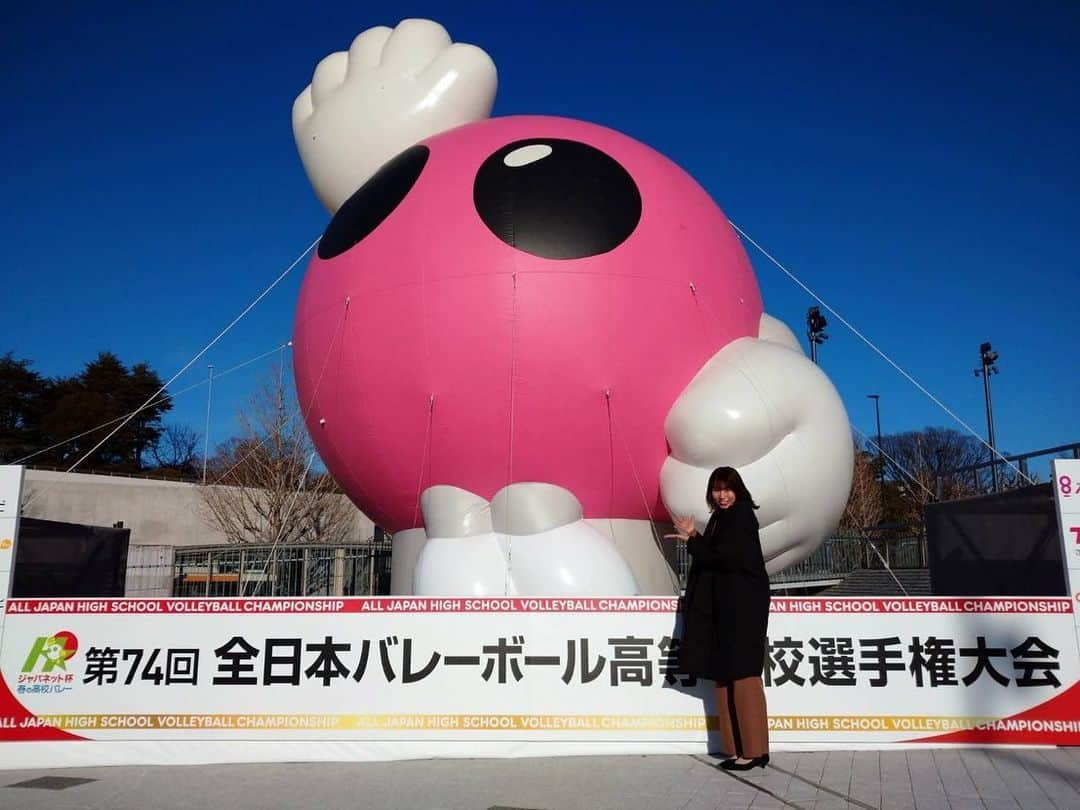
879, 582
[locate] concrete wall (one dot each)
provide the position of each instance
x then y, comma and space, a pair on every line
159, 513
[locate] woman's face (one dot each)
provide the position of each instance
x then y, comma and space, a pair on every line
723, 497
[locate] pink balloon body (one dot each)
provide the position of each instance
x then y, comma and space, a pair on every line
462, 360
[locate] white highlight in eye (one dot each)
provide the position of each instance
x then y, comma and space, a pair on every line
527, 154
732, 413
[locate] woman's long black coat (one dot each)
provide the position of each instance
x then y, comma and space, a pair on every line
726, 607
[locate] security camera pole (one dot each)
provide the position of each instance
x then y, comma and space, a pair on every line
989, 357
881, 453
815, 326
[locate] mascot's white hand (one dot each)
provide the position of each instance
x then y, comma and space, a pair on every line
391, 89
761, 406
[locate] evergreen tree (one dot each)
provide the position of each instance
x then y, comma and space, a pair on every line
22, 403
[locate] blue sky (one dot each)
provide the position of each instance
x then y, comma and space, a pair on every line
917, 165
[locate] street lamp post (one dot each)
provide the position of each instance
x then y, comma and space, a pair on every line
206, 432
815, 330
989, 357
881, 453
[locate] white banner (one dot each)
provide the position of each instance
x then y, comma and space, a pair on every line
10, 491
502, 672
1066, 473
1067, 497
11, 480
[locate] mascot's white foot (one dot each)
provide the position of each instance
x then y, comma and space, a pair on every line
530, 540
761, 406
391, 89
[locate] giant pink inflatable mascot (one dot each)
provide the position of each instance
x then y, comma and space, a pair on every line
525, 338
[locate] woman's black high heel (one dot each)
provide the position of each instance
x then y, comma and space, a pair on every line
735, 765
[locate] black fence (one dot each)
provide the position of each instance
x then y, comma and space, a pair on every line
69, 559
1005, 543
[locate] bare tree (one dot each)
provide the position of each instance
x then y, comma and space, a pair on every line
177, 450
265, 489
864, 507
922, 467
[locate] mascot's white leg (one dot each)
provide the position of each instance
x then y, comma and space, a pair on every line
529, 540
761, 406
641, 544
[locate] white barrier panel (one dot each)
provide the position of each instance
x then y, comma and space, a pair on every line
200, 680
1066, 474
11, 479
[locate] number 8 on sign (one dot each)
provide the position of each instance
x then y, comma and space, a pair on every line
1065, 483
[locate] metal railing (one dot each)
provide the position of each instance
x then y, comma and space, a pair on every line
364, 569
296, 570
975, 474
147, 475
839, 556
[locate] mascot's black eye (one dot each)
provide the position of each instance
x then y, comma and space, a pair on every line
557, 199
373, 202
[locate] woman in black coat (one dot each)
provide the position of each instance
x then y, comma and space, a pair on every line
726, 613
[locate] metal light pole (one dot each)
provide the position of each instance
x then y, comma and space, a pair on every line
988, 357
881, 453
206, 433
815, 330
281, 379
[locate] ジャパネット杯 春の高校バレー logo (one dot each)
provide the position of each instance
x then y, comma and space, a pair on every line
51, 652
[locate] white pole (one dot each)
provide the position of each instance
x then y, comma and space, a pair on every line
206, 433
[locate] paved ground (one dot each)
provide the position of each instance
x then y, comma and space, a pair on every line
948, 779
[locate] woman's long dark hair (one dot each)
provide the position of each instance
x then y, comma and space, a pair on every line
727, 478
